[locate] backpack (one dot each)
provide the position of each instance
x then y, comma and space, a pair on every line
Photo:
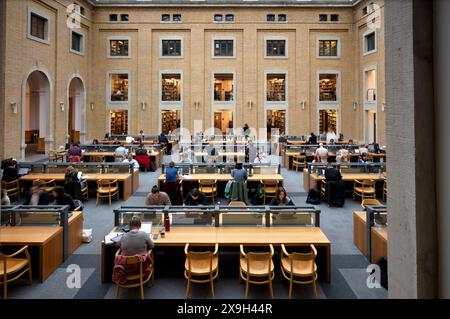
152, 166
313, 197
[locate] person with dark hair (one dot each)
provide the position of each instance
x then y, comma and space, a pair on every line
74, 153
335, 192
281, 199
312, 139
171, 185
157, 198
72, 184
195, 198
95, 142
135, 242
239, 174
10, 173
37, 196
164, 141
61, 198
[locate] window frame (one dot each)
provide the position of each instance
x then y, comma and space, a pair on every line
278, 18
274, 17
112, 105
163, 105
82, 45
223, 38
177, 14
370, 105
286, 47
365, 34
326, 16
124, 14
334, 15
328, 38
166, 14
216, 15
328, 105
113, 14
229, 15
276, 104
42, 15
162, 38
117, 38
224, 104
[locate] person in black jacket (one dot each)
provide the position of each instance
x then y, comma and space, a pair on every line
335, 192
37, 196
62, 198
312, 139
10, 173
195, 198
281, 199
72, 184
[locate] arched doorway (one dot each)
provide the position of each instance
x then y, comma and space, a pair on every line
76, 111
37, 112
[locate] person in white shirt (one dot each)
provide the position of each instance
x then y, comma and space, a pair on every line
331, 136
130, 159
129, 139
121, 152
322, 152
364, 149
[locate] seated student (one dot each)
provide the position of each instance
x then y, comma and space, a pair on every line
135, 242
5, 198
131, 160
312, 139
157, 198
141, 150
74, 153
62, 198
10, 173
322, 153
120, 153
195, 198
363, 158
72, 184
281, 199
129, 139
95, 142
37, 196
239, 174
342, 156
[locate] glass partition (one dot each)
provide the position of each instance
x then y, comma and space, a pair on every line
155, 218
192, 219
292, 219
242, 219
60, 168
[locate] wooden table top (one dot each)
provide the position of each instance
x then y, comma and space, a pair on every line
227, 177
291, 153
98, 154
88, 176
346, 177
234, 236
23, 235
383, 232
221, 153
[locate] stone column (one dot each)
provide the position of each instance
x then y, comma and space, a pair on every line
412, 244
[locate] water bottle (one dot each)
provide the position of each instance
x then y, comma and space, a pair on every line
167, 224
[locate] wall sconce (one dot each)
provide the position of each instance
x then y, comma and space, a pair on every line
143, 105
197, 105
61, 106
383, 106
92, 106
355, 104
303, 104
250, 104
14, 107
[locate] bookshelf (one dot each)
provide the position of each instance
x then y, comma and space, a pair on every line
119, 122
276, 89
170, 120
276, 119
171, 89
327, 121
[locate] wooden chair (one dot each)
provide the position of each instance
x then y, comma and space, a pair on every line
85, 189
107, 189
364, 189
203, 265
370, 201
323, 189
384, 190
209, 188
256, 265
299, 161
299, 268
47, 185
9, 265
12, 188
324, 158
236, 203
52, 156
138, 280
97, 158
270, 188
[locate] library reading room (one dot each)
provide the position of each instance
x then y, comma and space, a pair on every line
224, 149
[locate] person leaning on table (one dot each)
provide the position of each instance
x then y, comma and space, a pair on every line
281, 199
135, 242
157, 198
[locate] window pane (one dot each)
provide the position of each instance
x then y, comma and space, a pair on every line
113, 17
323, 17
38, 26
124, 17
276, 88
282, 18
276, 47
328, 47
327, 87
334, 17
171, 47
223, 87
177, 17
223, 47
370, 42
119, 87
171, 87
76, 41
270, 17
218, 18
119, 47
229, 18
165, 17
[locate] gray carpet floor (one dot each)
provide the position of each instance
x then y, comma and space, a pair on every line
348, 266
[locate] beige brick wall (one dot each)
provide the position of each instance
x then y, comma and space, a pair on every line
197, 30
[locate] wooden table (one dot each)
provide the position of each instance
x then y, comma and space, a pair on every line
225, 178
353, 158
124, 180
235, 236
47, 239
379, 237
314, 179
104, 154
156, 155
